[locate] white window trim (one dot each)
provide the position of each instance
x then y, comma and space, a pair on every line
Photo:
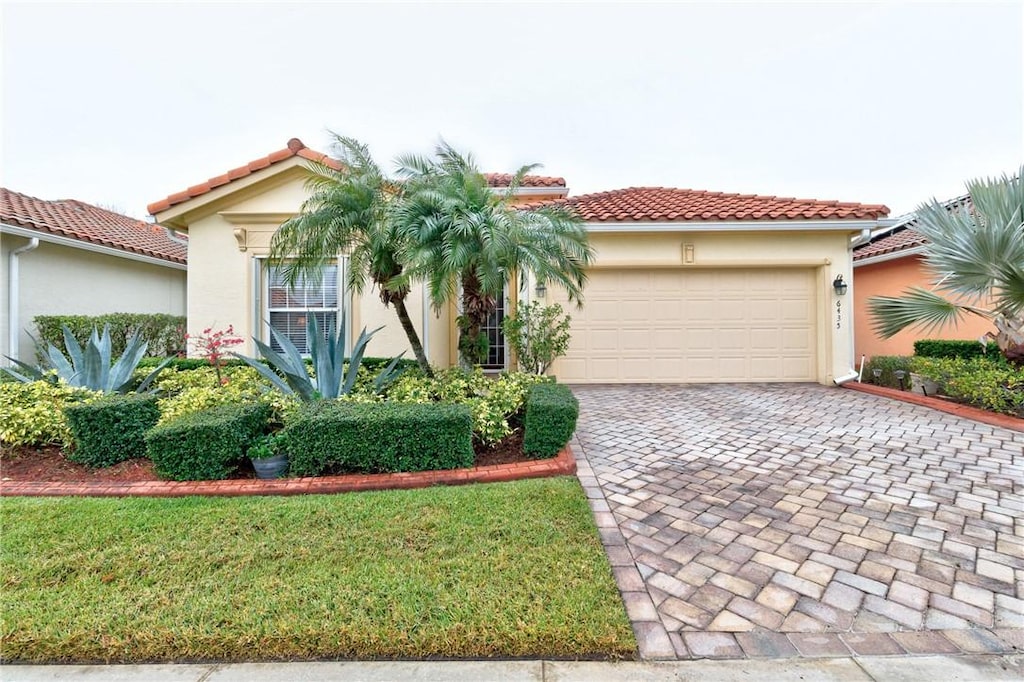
261, 298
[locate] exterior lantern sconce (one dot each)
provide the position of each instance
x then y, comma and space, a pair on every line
542, 289
840, 286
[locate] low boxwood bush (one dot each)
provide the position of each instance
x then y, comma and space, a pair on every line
551, 412
343, 436
206, 445
111, 429
943, 348
988, 383
888, 364
32, 414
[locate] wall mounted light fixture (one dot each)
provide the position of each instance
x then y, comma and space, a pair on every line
840, 286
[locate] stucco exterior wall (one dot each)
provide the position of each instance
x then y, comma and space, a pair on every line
826, 253
61, 280
225, 282
891, 278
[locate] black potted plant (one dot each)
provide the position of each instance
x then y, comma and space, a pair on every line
268, 456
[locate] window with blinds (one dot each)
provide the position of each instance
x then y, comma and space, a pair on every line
289, 307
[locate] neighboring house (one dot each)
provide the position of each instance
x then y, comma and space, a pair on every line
688, 286
887, 265
67, 257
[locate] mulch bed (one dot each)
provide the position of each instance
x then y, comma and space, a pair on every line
49, 464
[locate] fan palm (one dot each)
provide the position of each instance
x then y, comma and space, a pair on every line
977, 258
462, 233
349, 210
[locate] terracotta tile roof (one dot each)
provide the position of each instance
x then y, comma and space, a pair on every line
296, 147
666, 204
88, 223
902, 236
503, 180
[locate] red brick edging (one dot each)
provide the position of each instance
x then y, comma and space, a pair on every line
560, 465
966, 411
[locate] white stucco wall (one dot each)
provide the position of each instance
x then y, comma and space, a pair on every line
61, 280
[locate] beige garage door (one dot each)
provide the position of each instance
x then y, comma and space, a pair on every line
693, 326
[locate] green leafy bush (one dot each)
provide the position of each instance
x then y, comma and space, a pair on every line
493, 402
551, 413
888, 364
538, 334
373, 438
987, 383
32, 414
164, 334
195, 390
111, 429
206, 445
184, 364
942, 348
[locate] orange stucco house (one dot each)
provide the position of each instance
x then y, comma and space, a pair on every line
887, 265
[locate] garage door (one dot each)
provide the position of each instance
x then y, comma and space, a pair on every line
698, 326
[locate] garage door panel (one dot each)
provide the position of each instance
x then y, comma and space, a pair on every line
693, 326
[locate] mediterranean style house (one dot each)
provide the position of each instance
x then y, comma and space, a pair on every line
688, 286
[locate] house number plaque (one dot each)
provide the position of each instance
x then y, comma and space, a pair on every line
839, 314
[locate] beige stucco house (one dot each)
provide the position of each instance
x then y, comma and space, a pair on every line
68, 257
688, 286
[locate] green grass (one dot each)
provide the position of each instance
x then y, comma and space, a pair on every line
503, 570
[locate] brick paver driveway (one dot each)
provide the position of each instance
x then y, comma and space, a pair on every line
800, 520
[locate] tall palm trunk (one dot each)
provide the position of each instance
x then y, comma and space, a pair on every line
414, 338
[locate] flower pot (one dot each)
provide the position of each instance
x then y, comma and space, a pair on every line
270, 467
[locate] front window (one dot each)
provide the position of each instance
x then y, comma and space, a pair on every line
289, 307
495, 336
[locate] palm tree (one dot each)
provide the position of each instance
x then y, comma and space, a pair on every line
463, 233
350, 209
977, 256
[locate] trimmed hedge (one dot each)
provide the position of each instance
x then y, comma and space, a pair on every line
338, 436
551, 413
206, 445
111, 429
888, 364
164, 333
942, 348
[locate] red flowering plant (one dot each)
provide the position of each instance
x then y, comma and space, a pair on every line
213, 346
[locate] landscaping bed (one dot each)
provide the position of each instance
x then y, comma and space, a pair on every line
509, 570
50, 464
199, 426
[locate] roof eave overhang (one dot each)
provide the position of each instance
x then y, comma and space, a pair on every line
892, 255
60, 240
181, 214
737, 226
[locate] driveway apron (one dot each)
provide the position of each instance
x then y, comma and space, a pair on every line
777, 520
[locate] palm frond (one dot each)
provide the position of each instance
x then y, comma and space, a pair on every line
916, 308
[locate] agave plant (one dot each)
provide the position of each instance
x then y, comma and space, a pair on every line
331, 379
90, 367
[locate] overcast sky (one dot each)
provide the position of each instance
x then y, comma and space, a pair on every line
123, 104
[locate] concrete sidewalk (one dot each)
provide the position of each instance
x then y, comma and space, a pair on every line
866, 669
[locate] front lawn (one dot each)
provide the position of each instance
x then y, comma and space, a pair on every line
504, 570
